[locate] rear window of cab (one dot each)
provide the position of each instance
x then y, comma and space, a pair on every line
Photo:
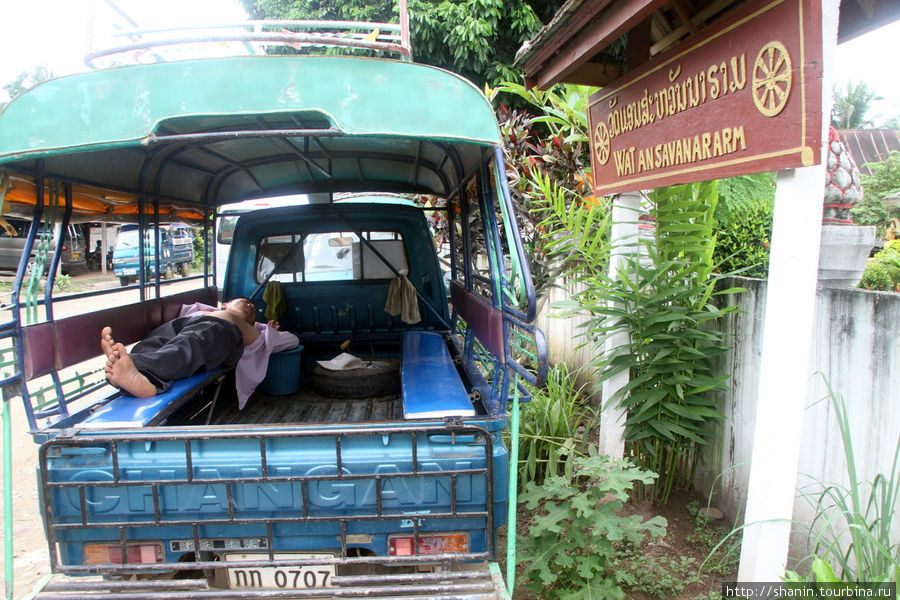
330, 256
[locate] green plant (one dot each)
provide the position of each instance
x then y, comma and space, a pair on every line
883, 271
661, 576
665, 305
854, 524
569, 551
743, 245
884, 181
62, 282
722, 549
547, 160
555, 427
744, 223
202, 241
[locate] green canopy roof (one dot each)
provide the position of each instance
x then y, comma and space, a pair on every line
215, 131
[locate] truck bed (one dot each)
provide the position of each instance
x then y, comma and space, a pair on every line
306, 406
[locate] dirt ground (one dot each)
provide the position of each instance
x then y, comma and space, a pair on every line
675, 554
30, 554
30, 562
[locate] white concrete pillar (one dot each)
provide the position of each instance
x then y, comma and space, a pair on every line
787, 339
624, 238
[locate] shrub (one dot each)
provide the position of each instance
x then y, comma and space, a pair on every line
884, 181
569, 552
744, 244
883, 271
744, 223
555, 427
667, 308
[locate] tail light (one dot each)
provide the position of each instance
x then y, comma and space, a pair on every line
105, 554
442, 543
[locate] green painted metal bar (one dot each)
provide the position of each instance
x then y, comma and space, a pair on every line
7, 501
513, 489
47, 395
7, 455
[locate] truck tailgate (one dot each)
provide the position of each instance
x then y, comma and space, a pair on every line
340, 490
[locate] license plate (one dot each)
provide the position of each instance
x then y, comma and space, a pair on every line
296, 577
75, 256
129, 271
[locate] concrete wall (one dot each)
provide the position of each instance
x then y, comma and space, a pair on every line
856, 351
563, 334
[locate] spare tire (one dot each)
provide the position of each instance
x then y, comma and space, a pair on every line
381, 377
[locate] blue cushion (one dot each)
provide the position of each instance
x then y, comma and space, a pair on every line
429, 383
126, 410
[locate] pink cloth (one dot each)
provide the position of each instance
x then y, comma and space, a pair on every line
251, 369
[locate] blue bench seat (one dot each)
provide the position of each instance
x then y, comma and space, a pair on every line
125, 410
429, 382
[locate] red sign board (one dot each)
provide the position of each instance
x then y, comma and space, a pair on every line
743, 96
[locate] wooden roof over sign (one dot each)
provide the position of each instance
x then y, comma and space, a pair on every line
584, 42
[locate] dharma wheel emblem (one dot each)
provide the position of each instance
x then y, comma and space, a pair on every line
771, 79
601, 143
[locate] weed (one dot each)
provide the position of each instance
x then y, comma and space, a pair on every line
62, 282
853, 532
660, 576
723, 550
555, 427
569, 551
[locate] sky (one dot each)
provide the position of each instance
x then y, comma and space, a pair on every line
59, 33
872, 58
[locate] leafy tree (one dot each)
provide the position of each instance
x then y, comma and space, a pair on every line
547, 161
884, 181
852, 105
345, 10
24, 81
475, 38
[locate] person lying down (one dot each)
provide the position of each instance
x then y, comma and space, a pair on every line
201, 339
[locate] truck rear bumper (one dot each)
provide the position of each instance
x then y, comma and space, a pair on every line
480, 581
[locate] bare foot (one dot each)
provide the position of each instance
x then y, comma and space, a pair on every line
120, 369
108, 344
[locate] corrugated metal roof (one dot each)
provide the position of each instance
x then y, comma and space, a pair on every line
870, 145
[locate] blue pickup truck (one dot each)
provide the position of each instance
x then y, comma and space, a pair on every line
384, 474
171, 250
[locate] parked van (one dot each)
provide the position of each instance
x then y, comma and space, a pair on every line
176, 252
13, 233
386, 474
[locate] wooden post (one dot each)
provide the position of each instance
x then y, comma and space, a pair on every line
624, 234
786, 348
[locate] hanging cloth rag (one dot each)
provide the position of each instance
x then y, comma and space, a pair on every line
402, 300
274, 299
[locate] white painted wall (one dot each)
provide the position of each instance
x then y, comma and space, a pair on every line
856, 348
